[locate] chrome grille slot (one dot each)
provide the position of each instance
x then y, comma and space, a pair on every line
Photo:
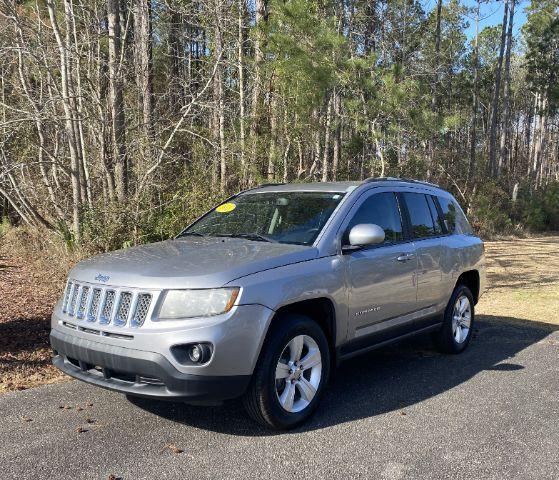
67, 297
141, 310
94, 306
73, 299
89, 330
108, 305
82, 305
123, 309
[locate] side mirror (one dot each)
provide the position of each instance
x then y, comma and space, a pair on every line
366, 234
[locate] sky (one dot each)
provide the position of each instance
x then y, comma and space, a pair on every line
491, 13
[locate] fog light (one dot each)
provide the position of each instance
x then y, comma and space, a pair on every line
195, 353
200, 353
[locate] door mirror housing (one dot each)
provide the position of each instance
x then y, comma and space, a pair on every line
366, 234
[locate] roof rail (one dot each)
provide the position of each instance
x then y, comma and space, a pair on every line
396, 179
271, 184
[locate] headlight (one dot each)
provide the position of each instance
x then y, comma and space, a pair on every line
197, 303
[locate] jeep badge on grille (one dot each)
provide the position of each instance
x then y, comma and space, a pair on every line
102, 278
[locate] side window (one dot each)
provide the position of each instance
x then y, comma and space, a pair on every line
420, 216
435, 215
455, 220
381, 209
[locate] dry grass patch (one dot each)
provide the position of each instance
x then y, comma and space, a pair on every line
523, 279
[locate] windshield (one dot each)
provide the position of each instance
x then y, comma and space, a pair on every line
285, 217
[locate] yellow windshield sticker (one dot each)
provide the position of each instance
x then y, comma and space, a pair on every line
226, 207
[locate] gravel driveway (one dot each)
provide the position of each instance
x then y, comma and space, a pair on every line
400, 412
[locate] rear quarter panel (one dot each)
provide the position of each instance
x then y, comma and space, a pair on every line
461, 253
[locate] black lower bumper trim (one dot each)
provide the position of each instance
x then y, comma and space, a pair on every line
135, 372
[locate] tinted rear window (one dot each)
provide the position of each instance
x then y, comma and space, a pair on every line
420, 216
454, 218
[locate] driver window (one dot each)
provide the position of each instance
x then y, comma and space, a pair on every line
381, 209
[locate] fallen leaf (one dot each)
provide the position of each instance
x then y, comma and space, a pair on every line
173, 448
81, 430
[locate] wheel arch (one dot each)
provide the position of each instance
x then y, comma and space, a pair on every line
470, 279
321, 310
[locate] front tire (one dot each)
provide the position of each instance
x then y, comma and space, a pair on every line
458, 323
291, 374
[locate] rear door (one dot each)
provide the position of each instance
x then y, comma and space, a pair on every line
380, 278
426, 231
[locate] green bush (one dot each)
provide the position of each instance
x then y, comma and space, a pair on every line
539, 210
488, 211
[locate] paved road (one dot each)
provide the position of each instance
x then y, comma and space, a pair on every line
401, 412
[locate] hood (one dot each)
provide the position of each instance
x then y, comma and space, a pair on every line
188, 262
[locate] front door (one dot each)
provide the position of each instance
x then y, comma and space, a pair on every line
381, 278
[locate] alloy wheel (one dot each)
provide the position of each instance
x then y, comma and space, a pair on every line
461, 319
298, 373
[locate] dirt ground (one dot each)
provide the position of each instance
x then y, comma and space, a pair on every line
522, 279
523, 283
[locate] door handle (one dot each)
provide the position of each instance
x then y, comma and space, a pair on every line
405, 257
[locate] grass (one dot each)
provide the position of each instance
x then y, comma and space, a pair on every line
522, 279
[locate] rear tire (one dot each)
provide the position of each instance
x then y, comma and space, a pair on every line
292, 371
458, 322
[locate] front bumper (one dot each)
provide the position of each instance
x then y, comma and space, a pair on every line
139, 373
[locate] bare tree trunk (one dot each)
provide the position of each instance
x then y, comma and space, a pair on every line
434, 99
116, 101
473, 128
539, 143
507, 94
175, 59
241, 70
495, 98
257, 100
272, 153
69, 124
219, 94
326, 152
336, 158
103, 121
77, 100
144, 76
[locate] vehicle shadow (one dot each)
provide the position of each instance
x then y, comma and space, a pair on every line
382, 381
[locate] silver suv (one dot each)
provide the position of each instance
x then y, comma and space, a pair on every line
264, 294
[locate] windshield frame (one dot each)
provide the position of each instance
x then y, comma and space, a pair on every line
343, 193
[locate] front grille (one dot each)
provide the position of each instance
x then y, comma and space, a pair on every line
123, 309
67, 296
84, 295
94, 306
141, 311
105, 305
108, 304
73, 299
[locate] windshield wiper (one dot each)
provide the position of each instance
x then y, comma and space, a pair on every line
249, 236
192, 234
